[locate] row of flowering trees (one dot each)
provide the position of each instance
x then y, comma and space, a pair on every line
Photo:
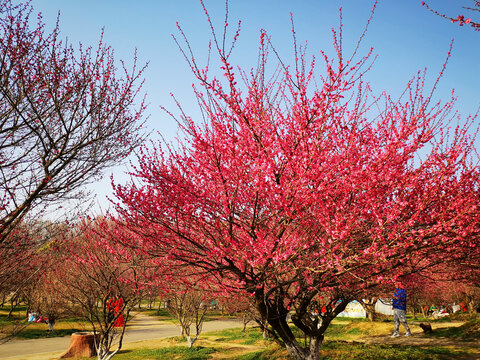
82, 272
302, 187
66, 114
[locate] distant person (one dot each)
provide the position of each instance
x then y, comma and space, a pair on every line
399, 302
51, 323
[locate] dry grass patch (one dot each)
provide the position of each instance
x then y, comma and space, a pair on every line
231, 350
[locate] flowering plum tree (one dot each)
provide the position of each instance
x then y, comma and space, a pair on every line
27, 270
65, 114
102, 281
46, 297
240, 305
17, 270
189, 305
296, 186
457, 283
460, 19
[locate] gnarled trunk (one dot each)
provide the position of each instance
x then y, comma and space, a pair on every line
369, 307
312, 352
313, 327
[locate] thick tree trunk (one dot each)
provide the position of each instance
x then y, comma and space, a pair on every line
314, 329
245, 320
369, 307
297, 352
315, 345
471, 306
13, 305
280, 328
371, 314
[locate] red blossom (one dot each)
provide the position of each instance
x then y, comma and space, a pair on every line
296, 188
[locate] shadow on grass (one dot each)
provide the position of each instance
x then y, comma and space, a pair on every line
466, 332
174, 352
247, 337
39, 333
341, 350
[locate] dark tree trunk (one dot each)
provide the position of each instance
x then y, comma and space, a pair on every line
314, 329
13, 305
369, 307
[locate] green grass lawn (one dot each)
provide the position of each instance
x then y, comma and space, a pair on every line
175, 352
341, 350
343, 342
19, 314
36, 333
17, 326
466, 332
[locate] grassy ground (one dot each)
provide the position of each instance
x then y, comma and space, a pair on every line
226, 344
456, 337
17, 326
346, 339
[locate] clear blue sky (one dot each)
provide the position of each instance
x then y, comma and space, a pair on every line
406, 37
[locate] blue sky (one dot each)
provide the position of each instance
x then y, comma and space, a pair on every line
406, 37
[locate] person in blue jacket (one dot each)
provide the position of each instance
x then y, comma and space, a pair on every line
399, 302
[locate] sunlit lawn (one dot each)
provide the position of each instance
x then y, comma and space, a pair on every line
342, 343
18, 327
344, 340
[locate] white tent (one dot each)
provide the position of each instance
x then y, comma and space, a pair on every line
383, 306
353, 310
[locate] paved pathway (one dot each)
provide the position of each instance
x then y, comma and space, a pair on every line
141, 327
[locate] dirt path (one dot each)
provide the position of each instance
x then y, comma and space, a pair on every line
140, 328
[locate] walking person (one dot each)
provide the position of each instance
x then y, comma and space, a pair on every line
399, 303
